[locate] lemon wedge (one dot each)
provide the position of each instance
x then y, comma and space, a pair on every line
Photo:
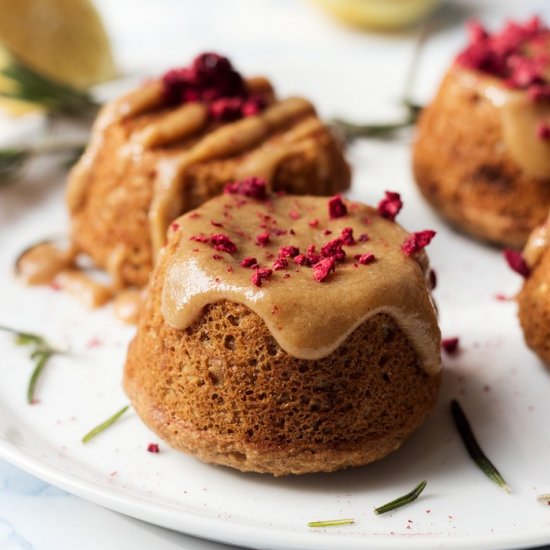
63, 39
379, 14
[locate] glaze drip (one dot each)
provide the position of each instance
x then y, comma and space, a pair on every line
308, 319
520, 117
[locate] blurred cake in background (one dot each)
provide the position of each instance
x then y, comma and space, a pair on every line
482, 151
168, 146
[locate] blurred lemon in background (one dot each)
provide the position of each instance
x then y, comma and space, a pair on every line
64, 40
379, 14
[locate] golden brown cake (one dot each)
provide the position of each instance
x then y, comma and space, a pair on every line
534, 297
167, 147
482, 151
286, 334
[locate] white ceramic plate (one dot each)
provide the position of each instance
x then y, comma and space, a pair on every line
501, 385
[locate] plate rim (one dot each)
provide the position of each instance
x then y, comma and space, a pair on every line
253, 536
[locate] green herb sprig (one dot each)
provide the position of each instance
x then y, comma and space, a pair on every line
331, 522
14, 159
41, 351
350, 131
473, 448
54, 97
402, 500
104, 425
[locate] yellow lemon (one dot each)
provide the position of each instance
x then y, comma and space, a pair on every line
379, 14
62, 39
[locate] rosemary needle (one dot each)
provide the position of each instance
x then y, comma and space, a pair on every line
473, 448
104, 425
41, 353
331, 522
401, 501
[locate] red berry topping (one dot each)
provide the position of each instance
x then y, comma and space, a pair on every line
322, 269
336, 208
313, 223
260, 274
517, 54
347, 236
365, 259
417, 241
249, 261
517, 262
262, 239
153, 448
363, 238
450, 345
279, 263
302, 259
390, 205
255, 188
223, 243
543, 131
212, 79
333, 249
288, 251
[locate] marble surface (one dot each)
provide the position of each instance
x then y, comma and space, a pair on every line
35, 515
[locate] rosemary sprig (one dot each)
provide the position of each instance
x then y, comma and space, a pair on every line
40, 353
54, 97
349, 131
473, 448
331, 522
402, 500
13, 160
104, 425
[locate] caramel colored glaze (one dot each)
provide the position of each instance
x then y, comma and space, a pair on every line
177, 124
126, 305
308, 319
536, 244
40, 264
137, 101
89, 292
263, 162
520, 118
231, 139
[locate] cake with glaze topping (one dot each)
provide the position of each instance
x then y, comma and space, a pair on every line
287, 334
168, 146
534, 297
482, 151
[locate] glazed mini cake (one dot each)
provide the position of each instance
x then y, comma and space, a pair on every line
482, 151
167, 147
534, 297
286, 334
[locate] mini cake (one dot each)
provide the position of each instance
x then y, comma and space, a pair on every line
482, 151
534, 297
168, 146
286, 334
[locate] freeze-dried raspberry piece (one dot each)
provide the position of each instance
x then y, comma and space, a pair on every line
390, 205
322, 269
255, 188
249, 261
365, 259
261, 274
333, 249
336, 208
288, 251
262, 239
417, 241
347, 236
223, 243
517, 262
